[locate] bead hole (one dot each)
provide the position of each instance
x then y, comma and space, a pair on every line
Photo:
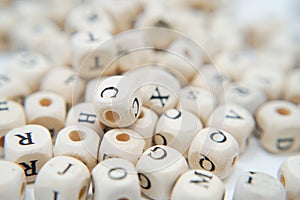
141, 115
82, 192
112, 116
283, 111
123, 199
22, 190
45, 102
234, 161
2, 142
123, 137
76, 136
282, 180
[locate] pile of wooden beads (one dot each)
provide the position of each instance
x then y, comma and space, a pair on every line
90, 111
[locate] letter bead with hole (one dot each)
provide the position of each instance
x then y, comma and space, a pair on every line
289, 176
157, 162
62, 178
198, 184
12, 182
234, 119
12, 115
115, 178
30, 146
118, 102
214, 150
79, 142
177, 128
47, 109
279, 127
259, 186
121, 143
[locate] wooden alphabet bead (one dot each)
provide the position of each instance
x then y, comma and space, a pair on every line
177, 128
47, 109
27, 65
145, 125
79, 142
291, 89
65, 82
93, 53
156, 162
12, 115
62, 178
244, 95
278, 126
198, 184
30, 146
289, 176
198, 101
258, 185
115, 178
83, 114
234, 119
87, 18
215, 151
121, 143
118, 102
13, 182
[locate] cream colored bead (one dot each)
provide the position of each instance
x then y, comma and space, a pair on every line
117, 101
270, 80
12, 183
79, 142
27, 65
88, 17
62, 178
291, 89
244, 95
145, 125
65, 82
13, 88
289, 176
157, 162
12, 115
30, 146
213, 150
198, 101
198, 184
258, 185
177, 128
47, 109
92, 53
84, 114
115, 178
234, 119
279, 127
121, 143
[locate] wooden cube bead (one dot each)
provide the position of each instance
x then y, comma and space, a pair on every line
12, 115
198, 101
258, 185
90, 89
278, 126
244, 95
47, 109
27, 65
86, 18
234, 119
13, 182
145, 125
213, 150
30, 146
156, 162
62, 177
291, 89
289, 176
198, 184
84, 114
177, 128
65, 82
117, 101
79, 142
92, 54
121, 143
115, 178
